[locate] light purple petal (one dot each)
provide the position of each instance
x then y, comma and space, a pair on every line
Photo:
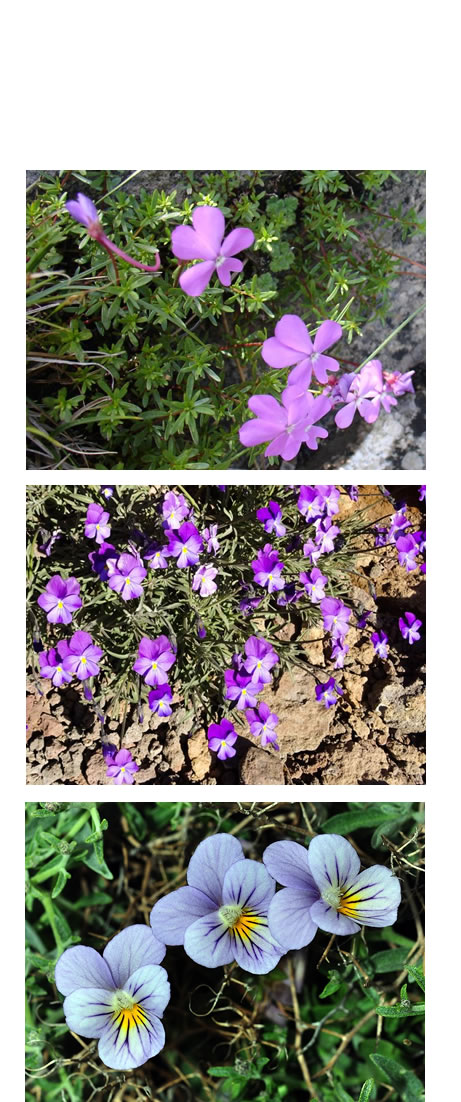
258, 952
248, 884
225, 270
132, 948
289, 917
268, 409
194, 280
328, 333
331, 920
279, 355
301, 376
210, 863
208, 942
256, 432
292, 331
171, 915
79, 967
149, 985
372, 898
322, 366
89, 1011
187, 245
209, 224
123, 1047
288, 863
236, 240
333, 861
345, 416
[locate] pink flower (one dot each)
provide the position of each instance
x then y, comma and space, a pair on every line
206, 242
83, 210
286, 426
292, 344
365, 394
203, 580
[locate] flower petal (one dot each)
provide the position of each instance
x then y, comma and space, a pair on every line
79, 967
208, 942
255, 948
333, 861
328, 333
289, 917
288, 863
225, 270
268, 409
209, 224
186, 244
170, 916
372, 898
279, 355
194, 280
345, 416
292, 331
322, 366
89, 1010
210, 863
331, 920
248, 884
236, 240
133, 947
256, 432
131, 1039
149, 985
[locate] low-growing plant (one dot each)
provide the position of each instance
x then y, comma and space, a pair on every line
205, 594
157, 368
339, 1021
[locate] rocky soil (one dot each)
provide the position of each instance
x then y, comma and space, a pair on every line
374, 735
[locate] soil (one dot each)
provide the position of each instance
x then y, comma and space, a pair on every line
374, 735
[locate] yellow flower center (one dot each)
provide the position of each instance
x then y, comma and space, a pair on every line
154, 665
83, 661
127, 581
240, 922
60, 604
58, 669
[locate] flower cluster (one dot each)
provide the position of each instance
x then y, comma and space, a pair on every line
313, 386
248, 676
155, 658
229, 912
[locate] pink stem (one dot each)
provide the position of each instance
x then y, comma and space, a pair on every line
113, 248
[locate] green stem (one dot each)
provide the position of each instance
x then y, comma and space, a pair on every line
48, 908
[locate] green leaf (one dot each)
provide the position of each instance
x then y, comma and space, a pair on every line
401, 1011
415, 973
389, 960
367, 1088
334, 983
406, 1082
368, 816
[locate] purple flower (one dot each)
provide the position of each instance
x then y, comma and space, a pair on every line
339, 651
329, 496
206, 242
203, 580
311, 551
222, 915
160, 700
380, 642
249, 601
107, 492
325, 888
286, 426
125, 576
310, 503
353, 492
201, 629
60, 599
84, 211
175, 509
314, 584
221, 739
422, 493
119, 997
267, 569
326, 692
155, 658
260, 659
363, 393
108, 752
157, 557
211, 536
96, 526
122, 768
362, 618
240, 688
409, 627
262, 724
271, 517
325, 535
98, 560
408, 549
289, 595
82, 656
292, 344
399, 384
185, 545
51, 664
335, 616
50, 538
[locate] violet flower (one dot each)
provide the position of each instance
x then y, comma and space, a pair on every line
210, 536
96, 526
185, 544
362, 618
221, 739
157, 557
119, 997
353, 492
323, 887
409, 627
325, 535
329, 496
327, 693
221, 916
310, 503
408, 549
339, 652
241, 689
51, 664
125, 576
107, 492
60, 599
260, 659
399, 384
267, 569
99, 558
314, 584
206, 242
263, 723
160, 700
335, 616
122, 768
174, 509
83, 656
422, 493
203, 580
286, 426
271, 517
363, 393
84, 211
155, 658
292, 344
380, 643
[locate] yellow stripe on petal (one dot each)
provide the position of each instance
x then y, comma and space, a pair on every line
130, 1017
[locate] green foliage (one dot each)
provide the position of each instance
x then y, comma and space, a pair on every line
230, 1035
129, 372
